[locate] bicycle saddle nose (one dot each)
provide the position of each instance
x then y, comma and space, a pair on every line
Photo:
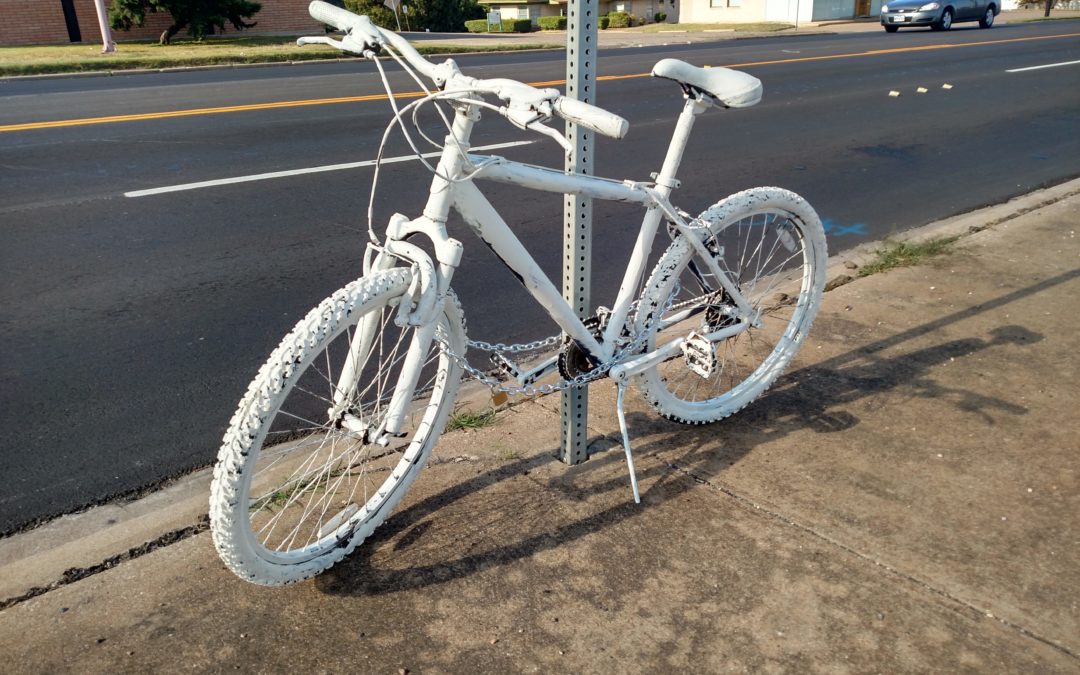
731, 88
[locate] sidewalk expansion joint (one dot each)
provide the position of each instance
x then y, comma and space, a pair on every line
754, 507
74, 574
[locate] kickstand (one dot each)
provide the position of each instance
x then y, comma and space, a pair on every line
626, 443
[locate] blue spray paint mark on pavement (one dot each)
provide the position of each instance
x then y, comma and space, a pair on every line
837, 230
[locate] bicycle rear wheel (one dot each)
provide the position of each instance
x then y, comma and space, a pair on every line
299, 482
771, 244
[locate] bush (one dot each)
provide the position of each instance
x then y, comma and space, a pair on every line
605, 21
516, 26
477, 26
660, 16
638, 21
552, 23
619, 20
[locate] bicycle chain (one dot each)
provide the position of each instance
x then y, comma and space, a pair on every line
544, 389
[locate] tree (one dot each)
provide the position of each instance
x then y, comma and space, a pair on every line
200, 17
436, 15
444, 15
375, 10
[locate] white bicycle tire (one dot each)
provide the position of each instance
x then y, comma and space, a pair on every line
239, 456
732, 212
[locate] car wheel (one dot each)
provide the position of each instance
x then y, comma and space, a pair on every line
945, 22
988, 18
891, 29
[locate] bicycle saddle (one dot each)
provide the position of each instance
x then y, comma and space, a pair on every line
730, 88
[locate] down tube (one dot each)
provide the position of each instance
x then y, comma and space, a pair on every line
493, 231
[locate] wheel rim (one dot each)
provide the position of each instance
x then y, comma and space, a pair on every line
316, 482
946, 20
989, 17
772, 260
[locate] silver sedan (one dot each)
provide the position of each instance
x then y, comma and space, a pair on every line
938, 14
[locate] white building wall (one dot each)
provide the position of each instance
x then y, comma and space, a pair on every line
722, 11
789, 10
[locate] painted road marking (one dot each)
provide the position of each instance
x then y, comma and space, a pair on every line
1049, 65
199, 111
31, 126
299, 172
837, 230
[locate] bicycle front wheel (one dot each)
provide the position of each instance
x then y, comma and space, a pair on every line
770, 243
305, 472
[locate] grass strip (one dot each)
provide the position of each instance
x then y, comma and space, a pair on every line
57, 59
466, 419
905, 254
760, 27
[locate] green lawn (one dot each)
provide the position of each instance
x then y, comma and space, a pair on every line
88, 57
763, 27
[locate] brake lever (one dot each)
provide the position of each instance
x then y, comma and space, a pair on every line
532, 120
551, 133
336, 44
348, 44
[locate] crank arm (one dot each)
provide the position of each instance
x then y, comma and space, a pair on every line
625, 370
526, 377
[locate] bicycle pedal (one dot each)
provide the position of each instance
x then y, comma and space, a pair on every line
699, 355
505, 366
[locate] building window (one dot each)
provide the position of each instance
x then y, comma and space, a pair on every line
725, 3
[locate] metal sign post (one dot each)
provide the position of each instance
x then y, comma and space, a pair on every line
581, 41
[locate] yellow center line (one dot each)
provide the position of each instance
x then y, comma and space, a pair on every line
199, 111
29, 126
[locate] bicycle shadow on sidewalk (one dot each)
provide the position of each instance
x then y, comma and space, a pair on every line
515, 511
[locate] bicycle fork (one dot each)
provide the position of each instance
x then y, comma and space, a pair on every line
420, 305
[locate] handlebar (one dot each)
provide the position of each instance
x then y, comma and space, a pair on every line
518, 95
591, 117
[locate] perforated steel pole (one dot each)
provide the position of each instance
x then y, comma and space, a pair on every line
581, 39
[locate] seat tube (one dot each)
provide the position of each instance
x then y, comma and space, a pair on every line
665, 183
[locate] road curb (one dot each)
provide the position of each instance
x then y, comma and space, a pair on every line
843, 265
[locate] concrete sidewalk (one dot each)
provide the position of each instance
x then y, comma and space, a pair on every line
905, 499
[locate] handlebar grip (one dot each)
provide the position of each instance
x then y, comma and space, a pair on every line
339, 18
591, 117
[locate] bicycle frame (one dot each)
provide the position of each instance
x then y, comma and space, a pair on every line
453, 188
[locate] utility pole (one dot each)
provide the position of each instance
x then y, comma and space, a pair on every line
577, 222
103, 23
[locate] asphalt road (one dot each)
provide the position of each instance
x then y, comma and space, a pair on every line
132, 324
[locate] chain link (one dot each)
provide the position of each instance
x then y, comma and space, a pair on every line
514, 349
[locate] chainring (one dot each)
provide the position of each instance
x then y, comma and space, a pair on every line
575, 360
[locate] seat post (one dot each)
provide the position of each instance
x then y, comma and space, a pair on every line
665, 180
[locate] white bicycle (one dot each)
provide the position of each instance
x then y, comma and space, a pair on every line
342, 417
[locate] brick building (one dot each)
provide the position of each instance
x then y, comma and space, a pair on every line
59, 21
